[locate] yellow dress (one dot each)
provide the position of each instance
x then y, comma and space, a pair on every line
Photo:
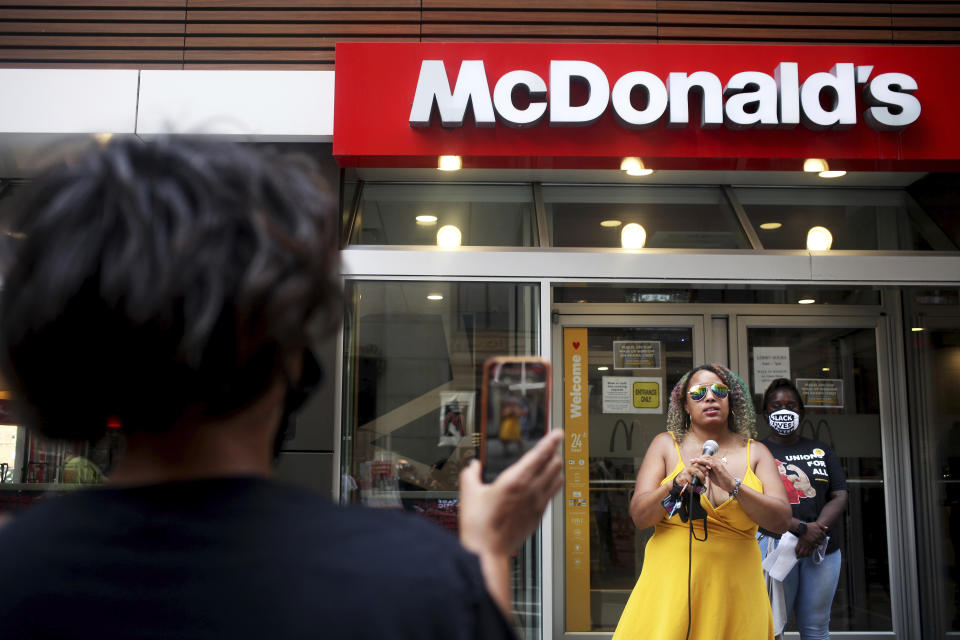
727, 591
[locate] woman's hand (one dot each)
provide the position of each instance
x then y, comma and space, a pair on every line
689, 472
812, 538
716, 472
496, 518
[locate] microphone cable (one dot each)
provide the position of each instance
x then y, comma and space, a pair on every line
691, 538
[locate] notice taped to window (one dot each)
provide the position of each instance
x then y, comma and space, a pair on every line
821, 393
636, 354
623, 394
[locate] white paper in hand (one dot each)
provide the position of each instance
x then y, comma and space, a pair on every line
779, 563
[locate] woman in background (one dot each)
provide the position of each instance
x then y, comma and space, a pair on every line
815, 483
721, 592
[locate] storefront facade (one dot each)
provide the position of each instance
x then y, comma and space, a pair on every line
725, 274
541, 268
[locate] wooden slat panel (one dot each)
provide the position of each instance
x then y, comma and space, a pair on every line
521, 31
289, 66
116, 64
927, 37
292, 42
266, 16
122, 4
298, 4
776, 20
559, 17
549, 5
904, 8
341, 30
128, 15
249, 55
95, 41
940, 22
75, 55
855, 8
774, 35
128, 28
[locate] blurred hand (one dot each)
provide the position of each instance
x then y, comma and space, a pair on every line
496, 518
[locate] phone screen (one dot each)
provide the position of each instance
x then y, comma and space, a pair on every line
516, 410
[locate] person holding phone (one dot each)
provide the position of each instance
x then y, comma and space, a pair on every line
704, 583
815, 483
174, 286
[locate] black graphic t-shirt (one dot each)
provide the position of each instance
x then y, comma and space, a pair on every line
810, 471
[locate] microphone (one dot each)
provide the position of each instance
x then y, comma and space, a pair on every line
710, 447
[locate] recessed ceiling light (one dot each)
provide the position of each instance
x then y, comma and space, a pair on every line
633, 236
449, 163
819, 239
825, 369
806, 301
449, 236
770, 226
435, 296
603, 368
426, 220
815, 165
610, 223
832, 174
916, 328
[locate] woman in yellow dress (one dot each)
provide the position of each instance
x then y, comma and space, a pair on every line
727, 598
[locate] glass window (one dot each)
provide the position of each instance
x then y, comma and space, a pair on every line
933, 361
491, 215
857, 219
670, 217
413, 359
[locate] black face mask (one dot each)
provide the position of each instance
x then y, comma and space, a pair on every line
297, 395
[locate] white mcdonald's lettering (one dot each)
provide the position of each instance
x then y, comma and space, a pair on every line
750, 99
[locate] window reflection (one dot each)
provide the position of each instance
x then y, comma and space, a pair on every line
857, 219
413, 358
687, 217
493, 215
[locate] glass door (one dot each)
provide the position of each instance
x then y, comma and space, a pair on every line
615, 381
933, 365
835, 364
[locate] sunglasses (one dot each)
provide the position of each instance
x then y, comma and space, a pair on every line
699, 392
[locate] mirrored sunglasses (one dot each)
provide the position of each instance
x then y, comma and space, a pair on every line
699, 392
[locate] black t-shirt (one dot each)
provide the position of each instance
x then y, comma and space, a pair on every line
810, 471
234, 558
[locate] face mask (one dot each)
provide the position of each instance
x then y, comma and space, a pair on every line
297, 396
784, 421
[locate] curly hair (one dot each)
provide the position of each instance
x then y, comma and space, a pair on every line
149, 278
777, 385
742, 419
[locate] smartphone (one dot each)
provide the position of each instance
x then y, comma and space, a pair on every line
515, 410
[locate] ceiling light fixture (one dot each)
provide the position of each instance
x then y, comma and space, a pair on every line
633, 236
770, 226
449, 237
821, 168
633, 166
806, 301
603, 368
819, 239
450, 163
610, 223
435, 296
426, 220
